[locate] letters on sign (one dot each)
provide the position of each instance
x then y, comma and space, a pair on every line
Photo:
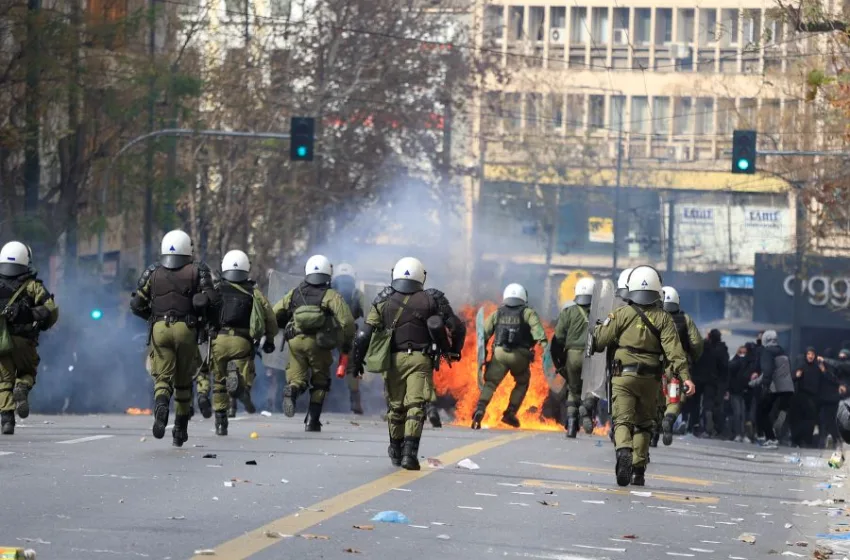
823, 290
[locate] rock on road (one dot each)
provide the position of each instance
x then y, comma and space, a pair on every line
101, 487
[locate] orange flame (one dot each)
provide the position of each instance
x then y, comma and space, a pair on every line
138, 411
461, 382
602, 430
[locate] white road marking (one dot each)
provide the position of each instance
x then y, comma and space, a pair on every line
605, 548
7, 452
85, 439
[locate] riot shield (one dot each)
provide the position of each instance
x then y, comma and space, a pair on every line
280, 283
481, 344
370, 292
593, 372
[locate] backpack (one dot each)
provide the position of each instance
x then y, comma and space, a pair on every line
318, 321
257, 329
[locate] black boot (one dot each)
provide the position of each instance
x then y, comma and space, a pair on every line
245, 398
639, 476
231, 410
410, 452
667, 428
623, 469
7, 419
478, 417
180, 433
395, 452
572, 427
221, 422
160, 416
356, 407
311, 423
509, 417
204, 405
290, 395
233, 384
434, 416
22, 405
653, 439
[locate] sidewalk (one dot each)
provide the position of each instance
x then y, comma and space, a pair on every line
834, 541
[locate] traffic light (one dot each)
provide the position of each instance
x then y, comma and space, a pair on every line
96, 314
302, 132
744, 151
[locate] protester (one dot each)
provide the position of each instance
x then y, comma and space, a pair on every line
804, 409
778, 386
831, 390
739, 377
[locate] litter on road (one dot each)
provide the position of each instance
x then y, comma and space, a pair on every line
391, 517
468, 464
747, 538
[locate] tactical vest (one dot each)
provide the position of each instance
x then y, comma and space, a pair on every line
172, 291
236, 306
307, 294
681, 321
411, 331
511, 329
8, 287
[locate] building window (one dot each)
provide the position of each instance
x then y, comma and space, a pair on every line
621, 26
516, 14
235, 8
747, 113
705, 115
281, 8
532, 106
660, 116
663, 26
640, 115
729, 27
707, 25
578, 31
726, 116
643, 26
685, 26
555, 111
600, 26
512, 112
683, 120
536, 15
575, 112
597, 111
617, 112
494, 22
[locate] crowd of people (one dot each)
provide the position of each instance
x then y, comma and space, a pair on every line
762, 395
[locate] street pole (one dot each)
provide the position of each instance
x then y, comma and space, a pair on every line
148, 218
800, 240
617, 193
180, 132
671, 232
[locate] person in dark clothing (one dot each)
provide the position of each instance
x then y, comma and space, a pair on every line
777, 384
804, 410
739, 378
711, 379
831, 390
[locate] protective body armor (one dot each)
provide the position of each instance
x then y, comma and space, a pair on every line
307, 294
172, 291
236, 306
411, 331
511, 329
681, 321
8, 287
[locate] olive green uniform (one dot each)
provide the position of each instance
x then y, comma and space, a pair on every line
693, 349
571, 334
18, 367
506, 358
235, 346
635, 390
308, 363
356, 306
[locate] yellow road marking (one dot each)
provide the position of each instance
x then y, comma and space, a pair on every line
664, 477
664, 496
250, 543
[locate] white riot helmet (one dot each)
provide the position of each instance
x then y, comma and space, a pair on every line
644, 285
235, 266
514, 295
670, 299
345, 269
584, 291
318, 270
622, 286
408, 276
176, 249
14, 259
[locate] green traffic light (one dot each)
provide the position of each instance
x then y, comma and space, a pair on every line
302, 151
743, 164
96, 314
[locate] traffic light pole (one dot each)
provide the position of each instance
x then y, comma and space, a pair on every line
180, 132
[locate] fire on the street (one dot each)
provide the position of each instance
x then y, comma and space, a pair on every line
138, 411
461, 382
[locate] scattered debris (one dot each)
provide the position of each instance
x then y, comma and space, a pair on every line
477, 508
747, 538
629, 536
391, 517
468, 464
435, 463
801, 544
822, 552
143, 439
353, 423
177, 517
793, 459
229, 484
364, 527
310, 537
266, 413
597, 502
837, 460
105, 427
254, 435
251, 462
642, 494
205, 552
351, 550
284, 481
545, 503
443, 537
276, 535
210, 456
817, 503
788, 525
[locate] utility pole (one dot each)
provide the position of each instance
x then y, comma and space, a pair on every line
671, 233
799, 249
149, 171
617, 194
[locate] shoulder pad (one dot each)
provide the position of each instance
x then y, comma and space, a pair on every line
383, 295
435, 293
146, 275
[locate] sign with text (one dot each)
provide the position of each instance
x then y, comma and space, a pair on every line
600, 230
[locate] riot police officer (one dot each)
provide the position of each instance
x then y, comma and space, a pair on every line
403, 324
692, 344
645, 337
568, 354
232, 350
622, 284
517, 329
316, 321
345, 282
28, 309
176, 296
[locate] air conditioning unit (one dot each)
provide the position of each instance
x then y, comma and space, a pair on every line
681, 51
557, 35
621, 36
679, 152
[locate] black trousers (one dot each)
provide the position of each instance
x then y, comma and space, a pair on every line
765, 408
803, 418
827, 424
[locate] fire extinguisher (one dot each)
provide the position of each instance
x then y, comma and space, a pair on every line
673, 390
343, 364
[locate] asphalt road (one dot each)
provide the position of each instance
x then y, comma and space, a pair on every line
100, 487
